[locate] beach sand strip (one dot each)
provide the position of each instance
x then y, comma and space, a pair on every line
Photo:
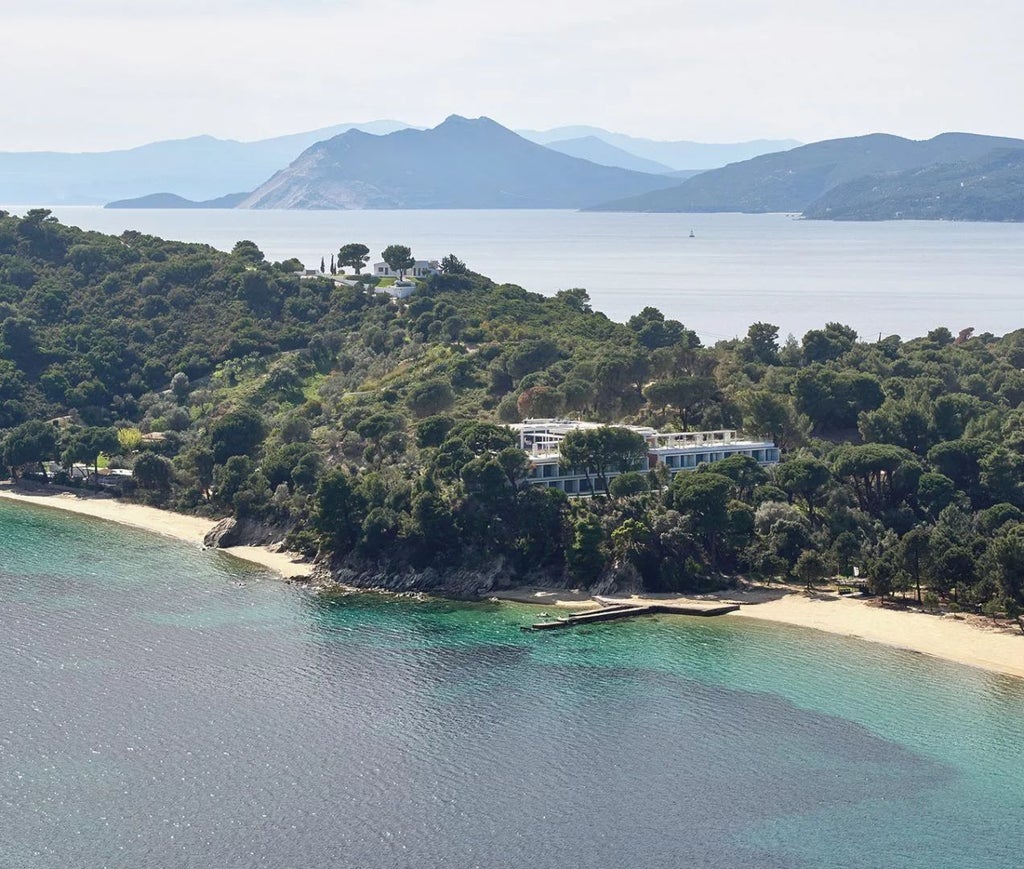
188, 529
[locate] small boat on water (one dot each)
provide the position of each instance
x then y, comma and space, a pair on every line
691, 234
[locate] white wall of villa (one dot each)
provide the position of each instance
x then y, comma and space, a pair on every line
677, 451
421, 269
398, 290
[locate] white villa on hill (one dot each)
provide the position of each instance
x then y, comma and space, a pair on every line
677, 451
421, 269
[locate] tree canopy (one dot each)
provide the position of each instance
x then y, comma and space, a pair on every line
399, 258
354, 256
372, 430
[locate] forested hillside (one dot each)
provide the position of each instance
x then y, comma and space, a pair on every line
792, 180
369, 429
989, 188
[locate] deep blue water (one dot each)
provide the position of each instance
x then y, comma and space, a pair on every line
161, 706
896, 277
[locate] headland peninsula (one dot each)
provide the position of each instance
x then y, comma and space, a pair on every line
418, 427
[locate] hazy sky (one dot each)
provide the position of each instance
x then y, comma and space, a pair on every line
113, 73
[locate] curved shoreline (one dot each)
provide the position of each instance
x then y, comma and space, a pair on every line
187, 529
971, 641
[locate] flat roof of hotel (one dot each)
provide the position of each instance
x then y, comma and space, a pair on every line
548, 433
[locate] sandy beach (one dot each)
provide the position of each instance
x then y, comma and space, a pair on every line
971, 640
188, 529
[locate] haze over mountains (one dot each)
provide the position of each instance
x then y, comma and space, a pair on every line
461, 163
674, 155
599, 151
202, 168
465, 163
792, 180
198, 168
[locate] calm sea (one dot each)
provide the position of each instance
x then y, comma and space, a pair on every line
161, 706
900, 278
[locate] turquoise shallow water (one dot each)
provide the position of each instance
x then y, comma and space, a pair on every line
163, 706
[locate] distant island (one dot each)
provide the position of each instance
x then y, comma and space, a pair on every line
794, 181
203, 168
461, 163
172, 200
466, 163
476, 163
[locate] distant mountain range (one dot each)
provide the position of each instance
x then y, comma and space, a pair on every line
790, 181
599, 151
672, 155
203, 168
461, 163
464, 163
199, 168
988, 188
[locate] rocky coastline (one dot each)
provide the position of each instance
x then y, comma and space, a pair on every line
481, 582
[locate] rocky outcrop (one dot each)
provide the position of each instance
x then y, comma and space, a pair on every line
622, 579
242, 532
455, 583
460, 583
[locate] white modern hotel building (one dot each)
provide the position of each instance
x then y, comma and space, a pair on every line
677, 451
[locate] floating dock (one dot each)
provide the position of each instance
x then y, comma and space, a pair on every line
619, 610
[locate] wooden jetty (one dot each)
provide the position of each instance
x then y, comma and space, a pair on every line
620, 610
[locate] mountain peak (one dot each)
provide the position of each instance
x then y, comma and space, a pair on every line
483, 124
456, 120
460, 163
